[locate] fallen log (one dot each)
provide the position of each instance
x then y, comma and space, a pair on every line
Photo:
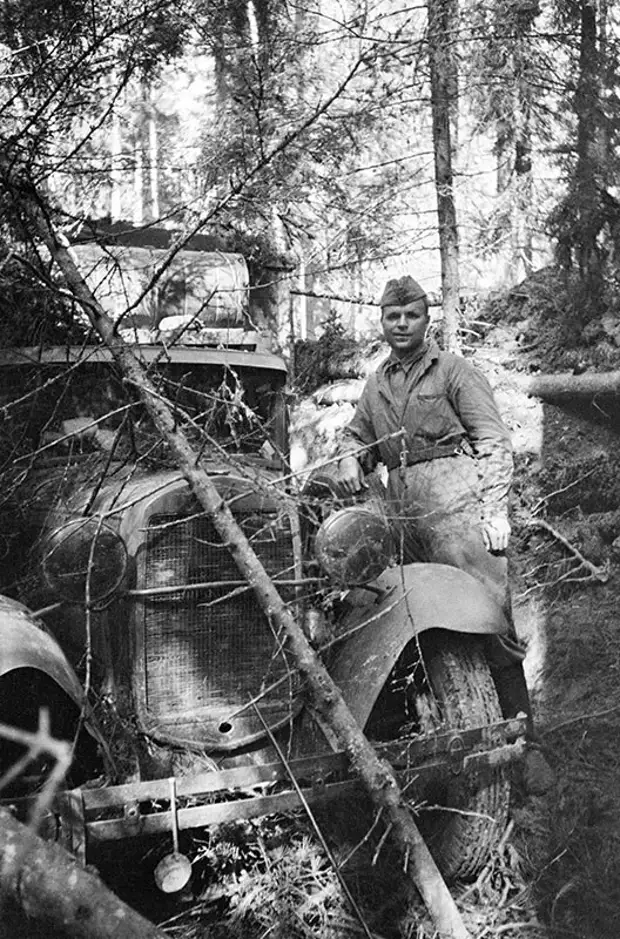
56, 894
568, 385
325, 696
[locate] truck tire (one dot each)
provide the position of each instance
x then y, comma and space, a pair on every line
465, 815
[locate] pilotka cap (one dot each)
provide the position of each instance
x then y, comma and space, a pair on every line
401, 291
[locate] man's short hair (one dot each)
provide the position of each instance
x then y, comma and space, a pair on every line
402, 291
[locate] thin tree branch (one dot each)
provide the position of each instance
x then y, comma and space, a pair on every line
599, 573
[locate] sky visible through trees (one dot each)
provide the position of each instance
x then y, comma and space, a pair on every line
305, 132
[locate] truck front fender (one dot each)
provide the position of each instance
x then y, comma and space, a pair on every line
402, 603
25, 643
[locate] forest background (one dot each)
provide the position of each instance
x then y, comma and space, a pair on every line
334, 144
316, 140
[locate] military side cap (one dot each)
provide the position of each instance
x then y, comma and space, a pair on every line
401, 291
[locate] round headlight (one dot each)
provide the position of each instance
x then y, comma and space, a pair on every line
84, 552
354, 545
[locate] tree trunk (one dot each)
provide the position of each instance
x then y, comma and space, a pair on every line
138, 181
521, 23
153, 163
587, 105
591, 169
116, 173
56, 894
521, 232
325, 696
441, 23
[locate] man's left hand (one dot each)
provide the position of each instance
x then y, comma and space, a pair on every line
496, 533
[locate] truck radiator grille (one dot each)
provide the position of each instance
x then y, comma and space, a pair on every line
207, 651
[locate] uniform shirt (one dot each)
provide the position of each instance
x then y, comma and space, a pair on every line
440, 404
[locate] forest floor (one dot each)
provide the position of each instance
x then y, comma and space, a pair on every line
557, 870
566, 589
563, 853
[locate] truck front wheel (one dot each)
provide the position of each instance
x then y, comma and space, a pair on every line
465, 815
442, 683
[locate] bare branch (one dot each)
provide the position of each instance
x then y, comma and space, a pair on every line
38, 744
326, 697
598, 573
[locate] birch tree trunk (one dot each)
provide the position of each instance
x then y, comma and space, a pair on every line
441, 32
325, 696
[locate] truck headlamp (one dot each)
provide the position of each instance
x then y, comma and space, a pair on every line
354, 545
84, 558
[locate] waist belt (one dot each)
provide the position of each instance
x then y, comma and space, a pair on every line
423, 454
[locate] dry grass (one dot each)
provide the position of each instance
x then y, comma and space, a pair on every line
271, 878
263, 878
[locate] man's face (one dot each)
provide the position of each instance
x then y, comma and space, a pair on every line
404, 327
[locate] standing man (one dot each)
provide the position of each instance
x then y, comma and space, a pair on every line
431, 418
